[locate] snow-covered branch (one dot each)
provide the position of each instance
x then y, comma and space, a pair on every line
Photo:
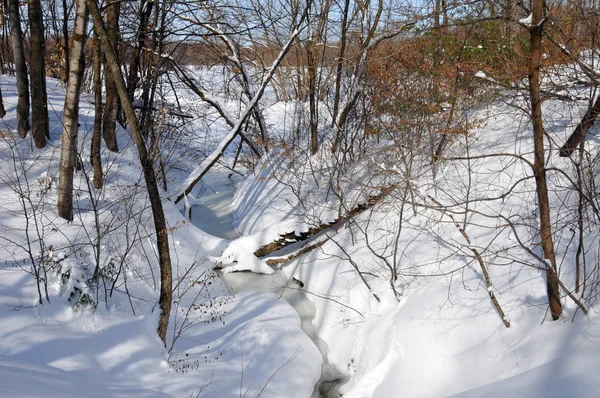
201, 170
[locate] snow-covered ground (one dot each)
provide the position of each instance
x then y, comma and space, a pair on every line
439, 336
220, 346
442, 335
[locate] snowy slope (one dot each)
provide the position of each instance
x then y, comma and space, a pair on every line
219, 345
442, 335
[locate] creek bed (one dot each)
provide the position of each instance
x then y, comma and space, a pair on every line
212, 214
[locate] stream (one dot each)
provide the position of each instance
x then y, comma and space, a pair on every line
212, 214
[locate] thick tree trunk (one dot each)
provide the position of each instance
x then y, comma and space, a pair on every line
68, 154
16, 36
40, 128
96, 137
111, 108
160, 225
539, 168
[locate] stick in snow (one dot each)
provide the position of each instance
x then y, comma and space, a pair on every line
484, 271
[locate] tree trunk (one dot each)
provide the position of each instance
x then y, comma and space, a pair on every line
539, 168
340, 63
111, 109
2, 110
160, 225
312, 92
150, 80
68, 154
581, 130
16, 36
96, 137
144, 15
65, 32
40, 128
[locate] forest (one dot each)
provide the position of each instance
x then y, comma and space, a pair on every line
299, 198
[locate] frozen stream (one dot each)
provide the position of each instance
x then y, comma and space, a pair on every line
212, 214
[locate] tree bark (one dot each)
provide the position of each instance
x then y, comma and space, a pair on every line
68, 154
340, 63
111, 109
539, 168
312, 88
65, 32
145, 11
160, 225
291, 238
40, 128
96, 136
2, 110
581, 130
16, 36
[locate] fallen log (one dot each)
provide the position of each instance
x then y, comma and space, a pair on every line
581, 130
291, 238
306, 249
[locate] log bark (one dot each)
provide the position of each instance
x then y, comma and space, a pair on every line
304, 250
65, 32
291, 238
488, 284
581, 130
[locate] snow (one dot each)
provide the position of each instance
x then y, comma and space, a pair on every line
443, 336
222, 345
439, 336
527, 20
22, 379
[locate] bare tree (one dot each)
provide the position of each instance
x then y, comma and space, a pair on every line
65, 32
111, 109
68, 158
40, 128
539, 167
160, 225
2, 110
315, 36
16, 36
340, 61
97, 134
144, 13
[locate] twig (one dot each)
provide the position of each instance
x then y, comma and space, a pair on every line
484, 271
